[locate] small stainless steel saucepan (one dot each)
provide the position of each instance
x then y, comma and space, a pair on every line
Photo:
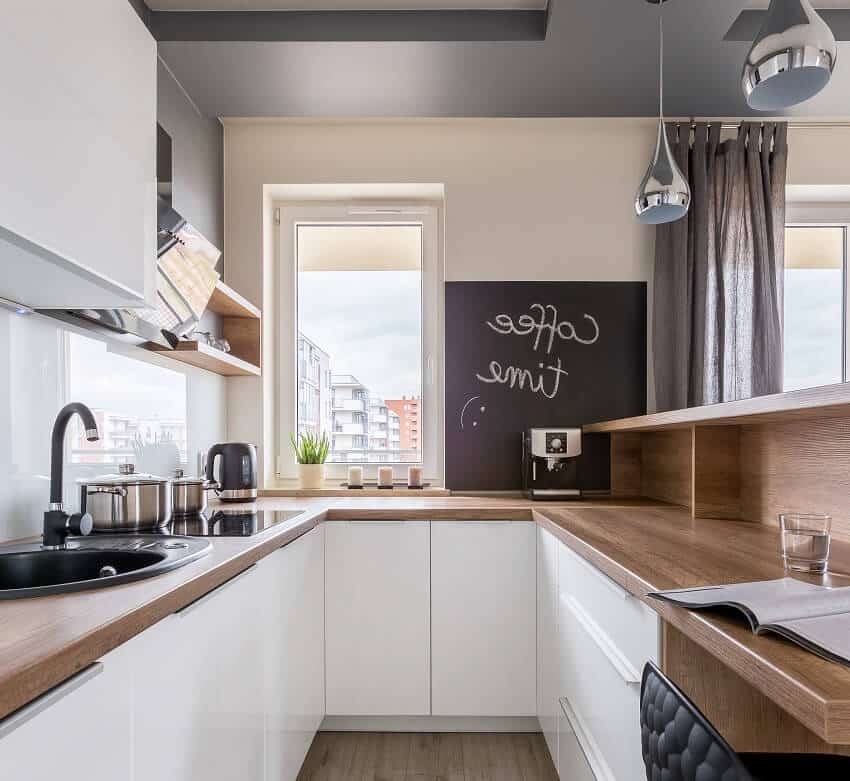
128, 501
189, 494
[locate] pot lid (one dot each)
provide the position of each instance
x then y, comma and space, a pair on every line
127, 475
179, 479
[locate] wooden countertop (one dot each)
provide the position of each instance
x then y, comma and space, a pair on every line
662, 547
45, 640
642, 545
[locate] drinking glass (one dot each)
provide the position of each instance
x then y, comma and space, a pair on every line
805, 541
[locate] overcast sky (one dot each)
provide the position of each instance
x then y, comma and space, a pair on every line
812, 328
369, 324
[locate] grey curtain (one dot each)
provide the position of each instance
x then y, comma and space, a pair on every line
717, 323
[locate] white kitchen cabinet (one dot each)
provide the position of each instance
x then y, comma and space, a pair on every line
605, 635
199, 699
81, 729
377, 633
483, 595
293, 652
78, 155
548, 709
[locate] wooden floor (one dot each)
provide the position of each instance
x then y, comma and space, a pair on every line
405, 756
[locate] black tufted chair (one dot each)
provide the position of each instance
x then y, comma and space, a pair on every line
680, 744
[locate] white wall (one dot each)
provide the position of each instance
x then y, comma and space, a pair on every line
525, 199
536, 198
547, 199
818, 156
31, 393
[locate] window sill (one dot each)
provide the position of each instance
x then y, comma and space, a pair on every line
291, 489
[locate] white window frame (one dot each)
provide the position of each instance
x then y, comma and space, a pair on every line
431, 428
811, 216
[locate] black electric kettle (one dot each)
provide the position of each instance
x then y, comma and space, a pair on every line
237, 479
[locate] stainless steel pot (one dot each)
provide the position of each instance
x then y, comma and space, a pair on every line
189, 494
128, 501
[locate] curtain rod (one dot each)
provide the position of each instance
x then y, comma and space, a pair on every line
791, 125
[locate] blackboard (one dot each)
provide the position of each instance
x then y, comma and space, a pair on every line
527, 354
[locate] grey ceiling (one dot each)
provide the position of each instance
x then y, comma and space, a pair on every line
599, 59
337, 5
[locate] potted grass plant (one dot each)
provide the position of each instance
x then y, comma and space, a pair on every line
311, 452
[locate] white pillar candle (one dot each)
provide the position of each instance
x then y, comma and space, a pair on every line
385, 475
355, 476
414, 476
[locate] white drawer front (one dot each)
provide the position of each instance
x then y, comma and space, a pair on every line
602, 691
628, 627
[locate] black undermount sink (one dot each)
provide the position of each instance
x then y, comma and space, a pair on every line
92, 562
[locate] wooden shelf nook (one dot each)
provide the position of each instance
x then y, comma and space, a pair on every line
205, 357
241, 326
742, 460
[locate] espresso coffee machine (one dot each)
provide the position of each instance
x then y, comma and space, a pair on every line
550, 463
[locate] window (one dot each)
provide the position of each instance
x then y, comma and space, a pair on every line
359, 296
140, 408
365, 299
814, 307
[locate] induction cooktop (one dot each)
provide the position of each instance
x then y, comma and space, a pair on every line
228, 522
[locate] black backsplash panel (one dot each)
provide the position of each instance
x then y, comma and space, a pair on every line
526, 354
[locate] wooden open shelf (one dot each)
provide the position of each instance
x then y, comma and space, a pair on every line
825, 401
228, 303
205, 357
742, 460
241, 324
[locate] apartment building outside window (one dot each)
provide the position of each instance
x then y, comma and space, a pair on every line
366, 313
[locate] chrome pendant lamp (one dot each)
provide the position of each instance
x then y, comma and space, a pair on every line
664, 194
792, 57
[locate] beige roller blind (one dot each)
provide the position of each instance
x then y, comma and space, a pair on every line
359, 247
815, 247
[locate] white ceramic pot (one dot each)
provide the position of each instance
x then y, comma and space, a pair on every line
311, 476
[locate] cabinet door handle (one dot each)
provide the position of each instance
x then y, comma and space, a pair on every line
48, 699
605, 644
302, 536
388, 523
598, 768
185, 611
496, 522
606, 580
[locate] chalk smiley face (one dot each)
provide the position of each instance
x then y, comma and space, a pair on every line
482, 408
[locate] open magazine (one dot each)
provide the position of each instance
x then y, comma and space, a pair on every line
815, 617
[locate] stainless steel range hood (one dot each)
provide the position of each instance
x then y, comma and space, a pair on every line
185, 278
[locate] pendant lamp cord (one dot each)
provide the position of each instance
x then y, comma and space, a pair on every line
661, 59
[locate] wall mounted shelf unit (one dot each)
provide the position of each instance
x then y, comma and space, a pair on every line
241, 324
741, 460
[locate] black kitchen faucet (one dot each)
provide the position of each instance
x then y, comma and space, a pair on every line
57, 523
